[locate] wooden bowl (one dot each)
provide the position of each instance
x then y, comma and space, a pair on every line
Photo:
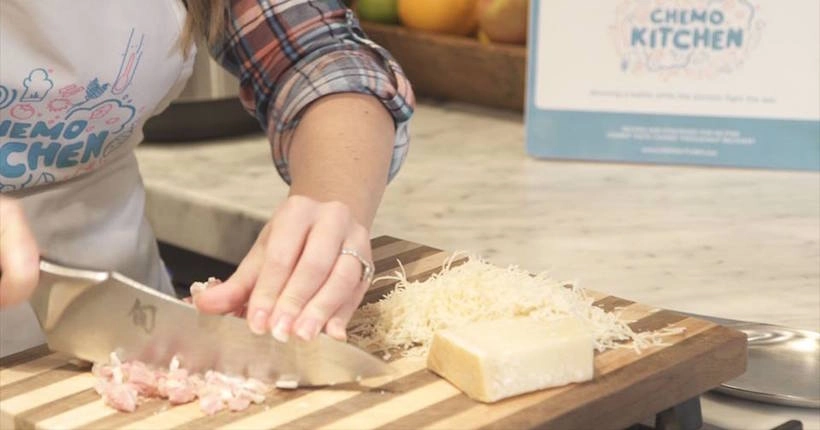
457, 68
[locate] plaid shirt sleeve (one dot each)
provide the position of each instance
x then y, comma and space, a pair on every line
288, 53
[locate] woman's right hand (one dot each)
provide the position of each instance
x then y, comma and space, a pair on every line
19, 257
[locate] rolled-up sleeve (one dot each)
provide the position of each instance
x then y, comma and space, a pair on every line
289, 53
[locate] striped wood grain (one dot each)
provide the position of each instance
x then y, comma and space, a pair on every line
40, 389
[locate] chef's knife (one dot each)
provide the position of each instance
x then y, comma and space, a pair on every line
90, 314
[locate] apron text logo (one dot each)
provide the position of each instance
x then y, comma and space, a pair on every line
19, 156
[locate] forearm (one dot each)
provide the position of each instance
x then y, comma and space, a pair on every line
336, 109
341, 151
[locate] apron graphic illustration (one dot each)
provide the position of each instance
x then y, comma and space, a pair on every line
74, 95
55, 132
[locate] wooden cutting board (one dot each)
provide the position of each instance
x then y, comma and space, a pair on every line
40, 389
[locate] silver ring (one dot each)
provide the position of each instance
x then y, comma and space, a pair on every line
367, 266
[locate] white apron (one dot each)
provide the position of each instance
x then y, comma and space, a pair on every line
77, 82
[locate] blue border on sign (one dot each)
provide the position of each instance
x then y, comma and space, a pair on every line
583, 135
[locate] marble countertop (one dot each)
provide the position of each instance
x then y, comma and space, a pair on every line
734, 243
742, 244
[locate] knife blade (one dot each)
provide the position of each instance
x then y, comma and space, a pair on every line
90, 314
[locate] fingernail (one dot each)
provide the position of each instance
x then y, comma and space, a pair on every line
259, 321
281, 328
308, 329
196, 289
337, 330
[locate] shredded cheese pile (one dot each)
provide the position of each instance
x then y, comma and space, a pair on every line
406, 319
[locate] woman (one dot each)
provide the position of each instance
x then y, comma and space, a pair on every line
78, 81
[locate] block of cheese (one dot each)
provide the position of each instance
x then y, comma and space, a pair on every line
493, 360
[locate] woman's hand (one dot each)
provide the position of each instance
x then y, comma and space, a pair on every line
295, 279
19, 257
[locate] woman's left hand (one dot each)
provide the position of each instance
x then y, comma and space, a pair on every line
295, 280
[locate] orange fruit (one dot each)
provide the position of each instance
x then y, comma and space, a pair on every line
503, 21
456, 17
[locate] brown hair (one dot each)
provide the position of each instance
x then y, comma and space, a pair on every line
204, 21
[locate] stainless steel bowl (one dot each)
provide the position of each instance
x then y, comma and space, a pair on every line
783, 367
783, 364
